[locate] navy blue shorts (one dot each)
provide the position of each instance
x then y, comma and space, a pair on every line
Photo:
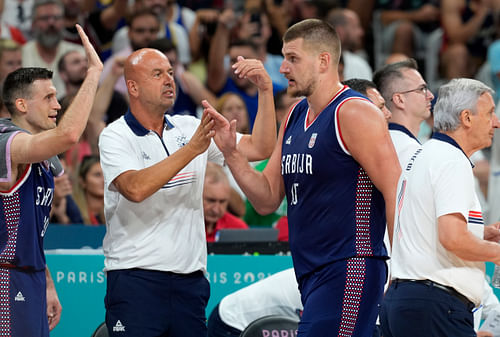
421, 310
154, 303
23, 303
343, 298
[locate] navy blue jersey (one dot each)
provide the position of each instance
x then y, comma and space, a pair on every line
25, 216
334, 210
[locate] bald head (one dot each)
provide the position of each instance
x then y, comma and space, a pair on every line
150, 79
139, 59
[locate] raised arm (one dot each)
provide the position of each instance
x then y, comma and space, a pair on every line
138, 185
426, 13
365, 133
111, 15
203, 17
259, 145
265, 190
456, 30
101, 104
216, 74
27, 148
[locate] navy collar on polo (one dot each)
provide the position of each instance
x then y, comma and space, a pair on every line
137, 127
447, 139
399, 127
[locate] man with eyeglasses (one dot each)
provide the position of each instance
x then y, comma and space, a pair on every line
409, 100
440, 240
48, 46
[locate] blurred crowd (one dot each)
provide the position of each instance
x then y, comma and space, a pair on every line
202, 39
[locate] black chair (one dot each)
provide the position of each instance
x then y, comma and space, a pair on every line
101, 331
265, 326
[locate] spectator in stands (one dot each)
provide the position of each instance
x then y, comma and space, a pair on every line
232, 106
100, 24
107, 105
10, 60
254, 26
11, 33
171, 30
348, 27
72, 68
182, 15
200, 36
277, 294
283, 101
143, 28
64, 209
216, 194
47, 47
89, 191
406, 24
17, 14
369, 89
468, 31
190, 92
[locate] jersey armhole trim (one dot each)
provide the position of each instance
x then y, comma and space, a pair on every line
338, 131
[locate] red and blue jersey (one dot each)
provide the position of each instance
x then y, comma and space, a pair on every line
25, 216
334, 210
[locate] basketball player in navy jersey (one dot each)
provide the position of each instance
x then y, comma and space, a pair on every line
336, 164
29, 143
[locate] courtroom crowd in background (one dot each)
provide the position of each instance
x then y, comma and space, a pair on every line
447, 38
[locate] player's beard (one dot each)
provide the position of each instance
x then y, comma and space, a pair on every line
305, 92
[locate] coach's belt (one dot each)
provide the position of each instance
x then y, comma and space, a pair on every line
447, 289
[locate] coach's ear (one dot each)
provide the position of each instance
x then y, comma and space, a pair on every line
465, 118
132, 88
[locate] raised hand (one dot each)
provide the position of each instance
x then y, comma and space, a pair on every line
225, 131
94, 61
254, 71
202, 136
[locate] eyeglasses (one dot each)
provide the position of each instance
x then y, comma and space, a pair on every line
142, 30
423, 89
46, 18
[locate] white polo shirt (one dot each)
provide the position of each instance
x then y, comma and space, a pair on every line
277, 294
437, 181
166, 231
405, 143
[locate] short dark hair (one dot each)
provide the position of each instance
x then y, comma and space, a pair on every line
385, 76
360, 85
244, 43
40, 3
163, 44
317, 34
18, 85
140, 13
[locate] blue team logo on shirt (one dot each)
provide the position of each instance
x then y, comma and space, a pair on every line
312, 140
181, 141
